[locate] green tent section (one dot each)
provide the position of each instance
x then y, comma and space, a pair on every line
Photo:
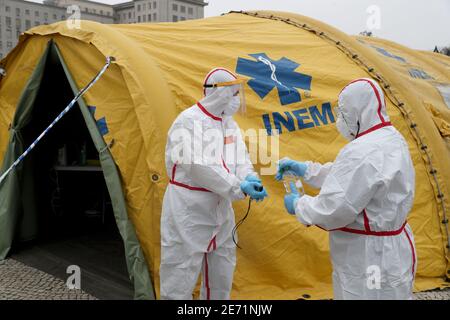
158, 72
18, 214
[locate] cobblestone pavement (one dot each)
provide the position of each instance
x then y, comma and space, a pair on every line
21, 282
433, 295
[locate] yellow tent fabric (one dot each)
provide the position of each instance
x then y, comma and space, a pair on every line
158, 72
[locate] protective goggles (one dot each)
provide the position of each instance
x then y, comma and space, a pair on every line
240, 86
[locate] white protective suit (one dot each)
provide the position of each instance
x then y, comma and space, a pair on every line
364, 201
197, 215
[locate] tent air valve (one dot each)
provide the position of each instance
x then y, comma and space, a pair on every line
155, 177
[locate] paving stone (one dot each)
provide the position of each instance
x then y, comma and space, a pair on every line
21, 282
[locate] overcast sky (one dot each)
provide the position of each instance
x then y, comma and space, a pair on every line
419, 24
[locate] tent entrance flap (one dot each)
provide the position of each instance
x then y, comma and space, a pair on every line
69, 184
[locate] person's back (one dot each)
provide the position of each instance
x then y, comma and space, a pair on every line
383, 217
364, 200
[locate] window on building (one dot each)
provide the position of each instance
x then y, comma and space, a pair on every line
86, 9
154, 4
139, 18
144, 18
27, 12
143, 6
191, 11
18, 22
94, 11
101, 12
108, 13
45, 15
36, 13
1, 45
8, 22
155, 17
27, 24
139, 7
183, 9
174, 7
36, 23
18, 12
54, 16
129, 15
149, 17
18, 33
7, 9
174, 18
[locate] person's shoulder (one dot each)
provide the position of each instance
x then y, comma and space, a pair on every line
187, 115
359, 150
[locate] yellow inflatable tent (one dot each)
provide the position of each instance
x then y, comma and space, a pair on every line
158, 72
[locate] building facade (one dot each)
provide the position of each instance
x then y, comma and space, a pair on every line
139, 11
16, 16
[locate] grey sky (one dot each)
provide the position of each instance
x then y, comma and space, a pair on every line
418, 24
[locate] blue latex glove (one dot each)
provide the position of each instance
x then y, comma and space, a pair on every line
254, 189
284, 165
290, 200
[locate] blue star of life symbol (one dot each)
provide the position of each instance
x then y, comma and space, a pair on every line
267, 74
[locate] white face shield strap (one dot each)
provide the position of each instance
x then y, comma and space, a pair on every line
238, 100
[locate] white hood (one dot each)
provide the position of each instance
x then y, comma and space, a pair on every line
362, 101
218, 100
